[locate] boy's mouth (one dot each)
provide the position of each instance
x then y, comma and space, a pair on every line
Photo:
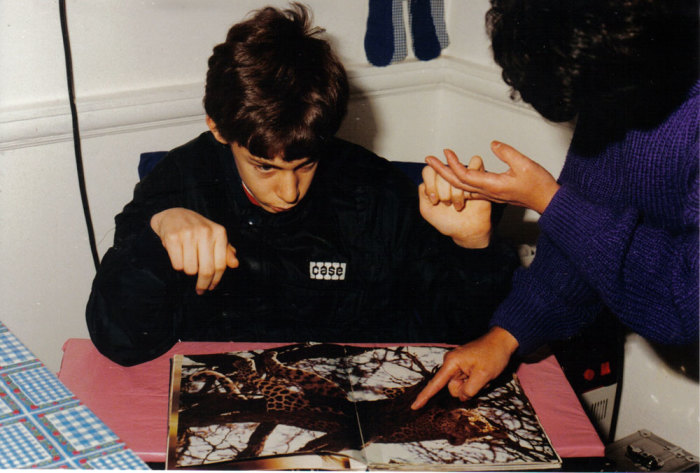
275, 209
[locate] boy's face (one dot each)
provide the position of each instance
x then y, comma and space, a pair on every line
276, 184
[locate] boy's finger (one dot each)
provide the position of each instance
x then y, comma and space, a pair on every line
220, 249
205, 276
231, 258
444, 190
176, 258
189, 259
428, 174
203, 283
446, 173
476, 163
458, 198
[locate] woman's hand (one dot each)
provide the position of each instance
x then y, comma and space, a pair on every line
195, 245
468, 368
525, 183
445, 207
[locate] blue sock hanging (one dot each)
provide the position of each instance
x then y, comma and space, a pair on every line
379, 38
426, 44
385, 39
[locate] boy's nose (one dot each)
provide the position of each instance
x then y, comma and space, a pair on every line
289, 188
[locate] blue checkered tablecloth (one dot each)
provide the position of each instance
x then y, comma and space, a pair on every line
43, 425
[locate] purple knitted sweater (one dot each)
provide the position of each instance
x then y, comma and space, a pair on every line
621, 231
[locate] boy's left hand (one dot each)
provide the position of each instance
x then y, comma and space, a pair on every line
452, 212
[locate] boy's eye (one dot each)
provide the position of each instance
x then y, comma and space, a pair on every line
264, 167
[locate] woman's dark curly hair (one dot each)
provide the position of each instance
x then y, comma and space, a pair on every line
276, 88
625, 61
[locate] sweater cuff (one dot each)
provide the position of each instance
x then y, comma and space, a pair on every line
520, 315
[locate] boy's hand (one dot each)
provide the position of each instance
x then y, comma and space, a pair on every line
450, 210
525, 183
195, 245
469, 368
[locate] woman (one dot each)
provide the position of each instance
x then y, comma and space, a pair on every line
619, 228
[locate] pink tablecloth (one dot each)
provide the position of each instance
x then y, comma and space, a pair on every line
133, 401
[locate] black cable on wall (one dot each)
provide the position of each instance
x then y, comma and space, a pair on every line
76, 132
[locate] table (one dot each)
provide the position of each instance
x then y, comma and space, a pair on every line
134, 400
44, 425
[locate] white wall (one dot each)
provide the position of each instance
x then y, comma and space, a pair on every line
43, 245
659, 393
139, 68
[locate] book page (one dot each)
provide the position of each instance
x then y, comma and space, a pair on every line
267, 404
498, 430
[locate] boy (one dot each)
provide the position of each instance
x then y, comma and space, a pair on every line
267, 228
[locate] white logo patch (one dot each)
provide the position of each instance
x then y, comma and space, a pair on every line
327, 271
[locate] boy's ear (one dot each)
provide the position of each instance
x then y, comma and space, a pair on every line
215, 131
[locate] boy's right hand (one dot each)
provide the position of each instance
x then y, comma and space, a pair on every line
195, 245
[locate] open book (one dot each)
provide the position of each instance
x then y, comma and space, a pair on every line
334, 407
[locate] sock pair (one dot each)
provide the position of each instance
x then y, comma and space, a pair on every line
385, 39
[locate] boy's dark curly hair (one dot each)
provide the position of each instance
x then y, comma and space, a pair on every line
275, 87
624, 61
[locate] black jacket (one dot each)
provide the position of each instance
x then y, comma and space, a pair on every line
354, 261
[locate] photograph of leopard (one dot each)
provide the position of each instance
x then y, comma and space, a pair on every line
347, 405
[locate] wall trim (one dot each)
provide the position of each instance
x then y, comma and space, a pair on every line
45, 123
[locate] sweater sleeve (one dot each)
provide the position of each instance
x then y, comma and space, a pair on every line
549, 300
133, 303
645, 274
588, 255
130, 312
